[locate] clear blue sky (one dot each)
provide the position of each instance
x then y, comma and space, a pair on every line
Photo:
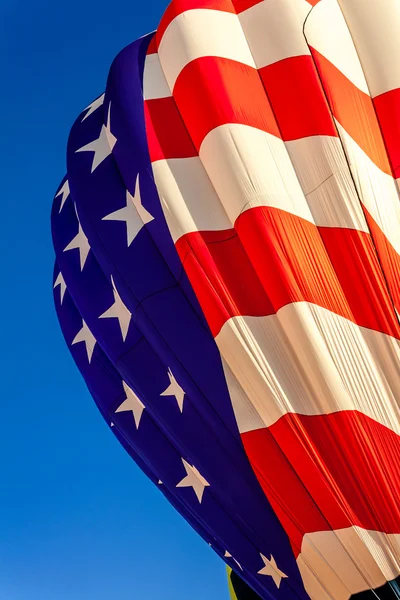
78, 520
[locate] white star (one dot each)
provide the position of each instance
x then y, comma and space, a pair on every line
93, 106
85, 335
133, 214
272, 570
80, 242
160, 482
112, 425
132, 404
228, 555
102, 146
174, 389
118, 311
63, 286
64, 192
193, 479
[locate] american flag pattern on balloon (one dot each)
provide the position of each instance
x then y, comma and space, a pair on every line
227, 279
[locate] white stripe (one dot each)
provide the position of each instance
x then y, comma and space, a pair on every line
249, 167
274, 30
327, 32
375, 27
190, 202
202, 32
308, 360
187, 197
154, 83
336, 564
378, 190
324, 175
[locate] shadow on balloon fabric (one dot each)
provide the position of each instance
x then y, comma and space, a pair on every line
389, 591
239, 590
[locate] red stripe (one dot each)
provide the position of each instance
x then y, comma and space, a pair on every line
152, 49
387, 107
294, 90
177, 7
293, 106
328, 472
167, 136
274, 258
388, 258
223, 278
242, 5
354, 110
213, 91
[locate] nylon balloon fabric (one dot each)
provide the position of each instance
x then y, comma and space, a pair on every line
227, 280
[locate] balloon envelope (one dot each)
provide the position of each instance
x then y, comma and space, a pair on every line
227, 280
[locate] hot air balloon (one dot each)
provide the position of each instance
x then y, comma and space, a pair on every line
227, 245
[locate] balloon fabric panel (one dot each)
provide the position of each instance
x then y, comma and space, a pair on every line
227, 246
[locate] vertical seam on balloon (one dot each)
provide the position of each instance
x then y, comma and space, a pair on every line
355, 187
